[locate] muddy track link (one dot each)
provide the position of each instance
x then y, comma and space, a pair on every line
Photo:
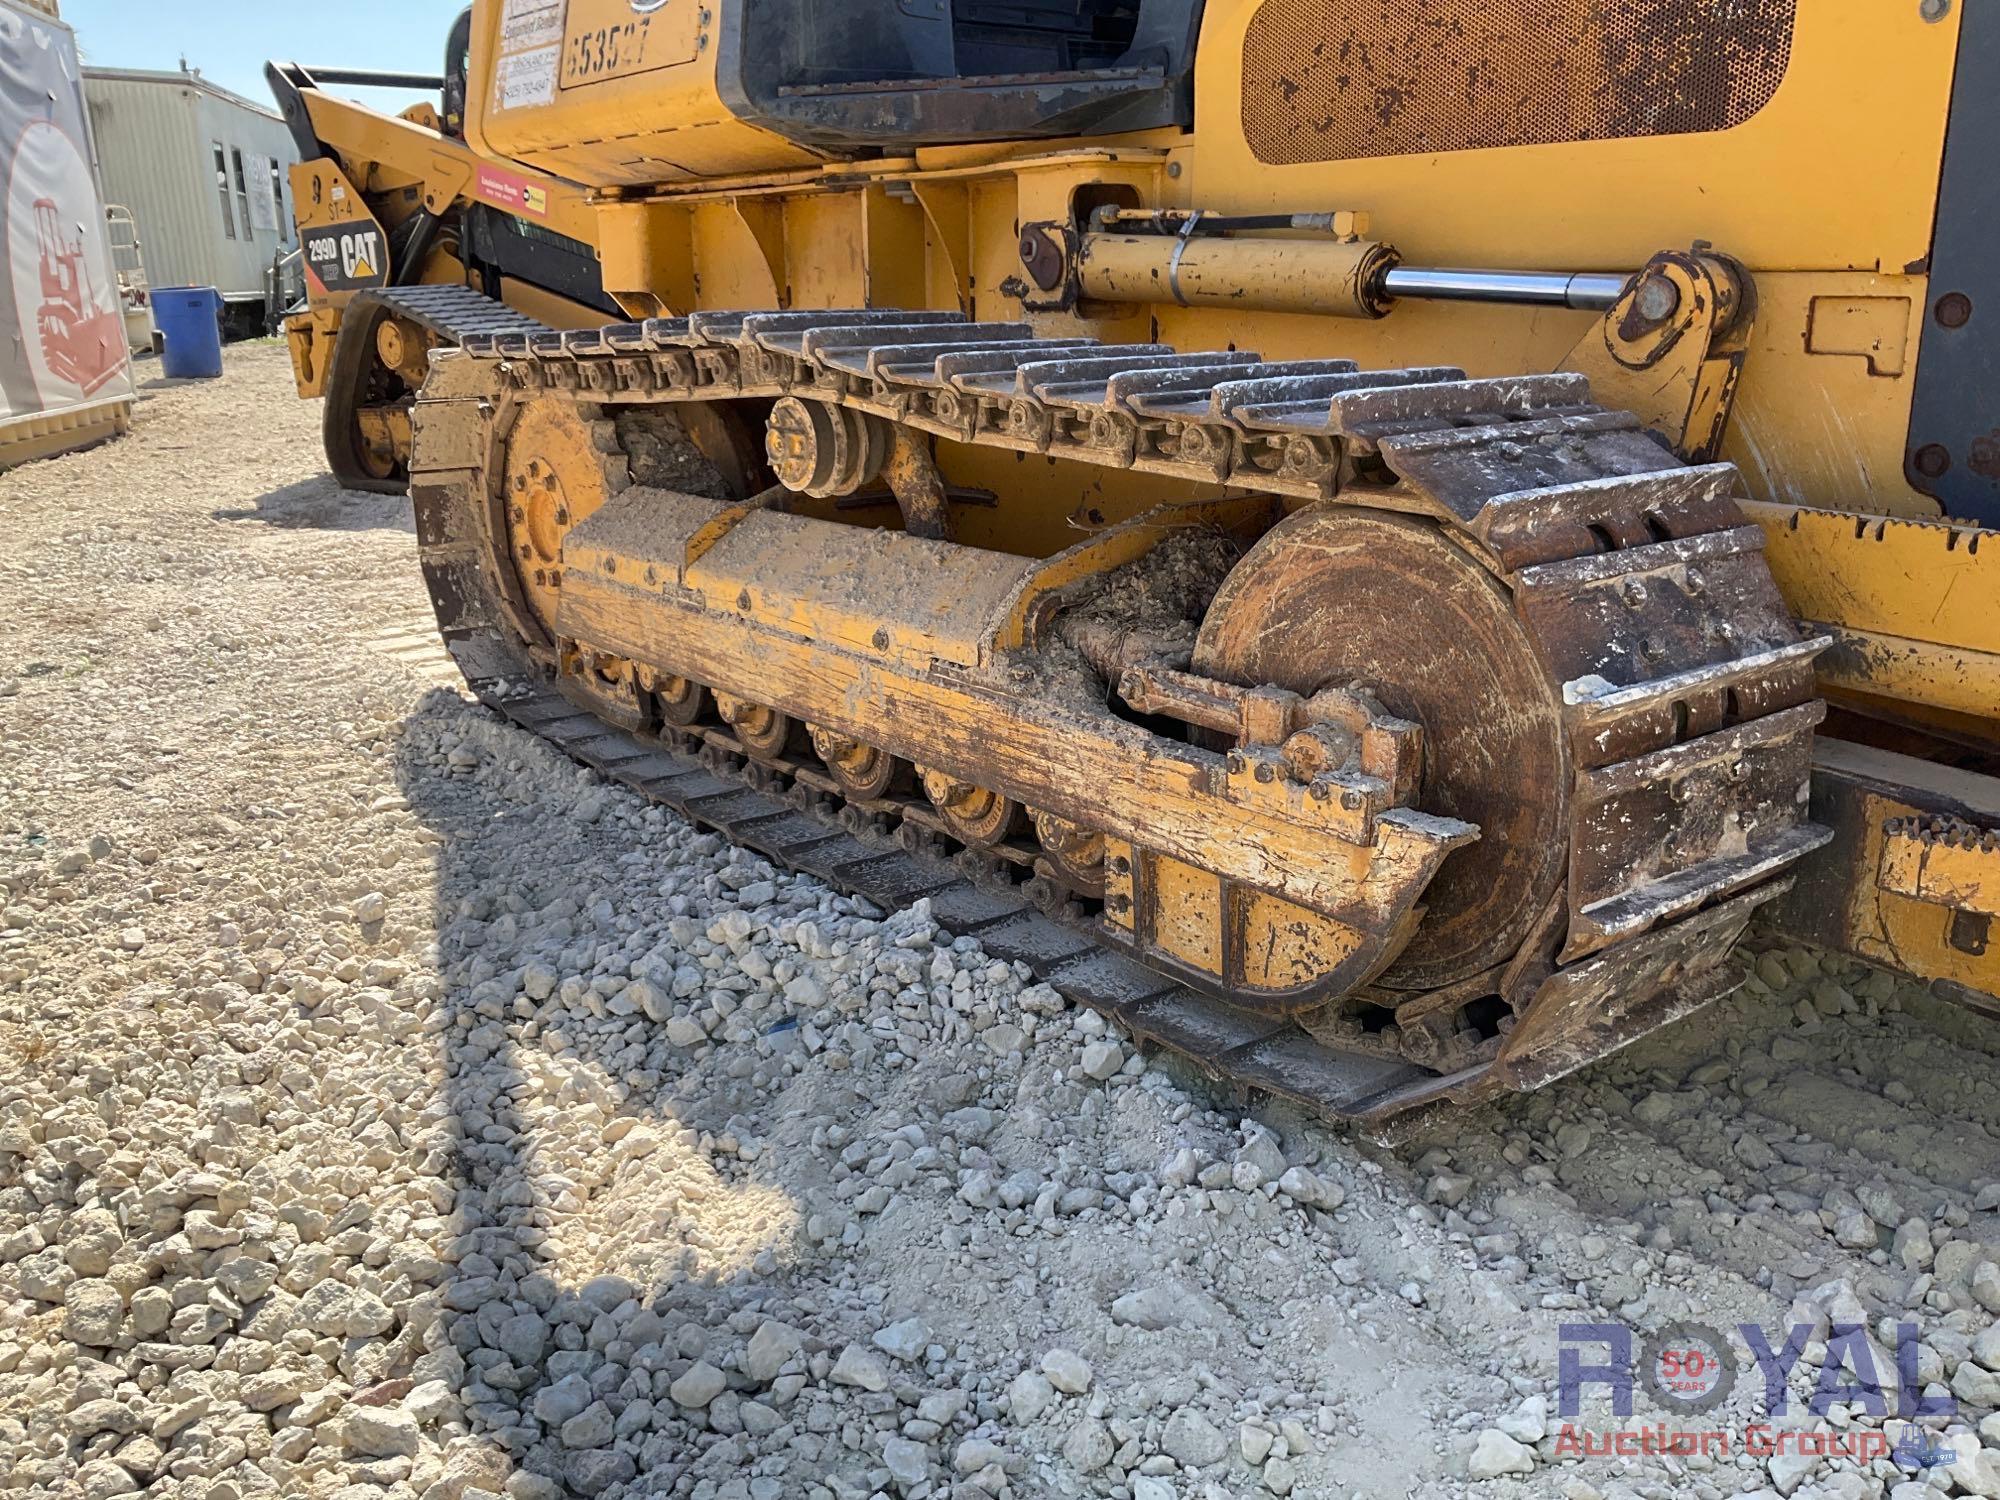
1685, 689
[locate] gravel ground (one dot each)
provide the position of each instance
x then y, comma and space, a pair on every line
390, 1109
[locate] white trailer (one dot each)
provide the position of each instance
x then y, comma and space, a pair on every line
206, 175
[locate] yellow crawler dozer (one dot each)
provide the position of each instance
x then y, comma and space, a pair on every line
1050, 457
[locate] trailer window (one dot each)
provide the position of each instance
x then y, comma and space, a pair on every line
242, 188
278, 201
222, 189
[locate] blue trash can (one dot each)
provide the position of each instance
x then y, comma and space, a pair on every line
189, 319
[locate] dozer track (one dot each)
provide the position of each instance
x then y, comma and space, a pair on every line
1592, 818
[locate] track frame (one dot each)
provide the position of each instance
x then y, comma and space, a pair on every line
1620, 559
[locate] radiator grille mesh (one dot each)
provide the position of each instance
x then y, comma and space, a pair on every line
1332, 80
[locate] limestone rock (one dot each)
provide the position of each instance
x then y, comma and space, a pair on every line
381, 1431
1495, 1453
701, 1384
857, 1367
1067, 1371
1193, 1440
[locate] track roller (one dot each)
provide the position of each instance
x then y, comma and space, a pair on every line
971, 814
824, 450
1074, 855
764, 733
681, 702
863, 772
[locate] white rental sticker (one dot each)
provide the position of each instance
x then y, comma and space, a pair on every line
526, 78
530, 23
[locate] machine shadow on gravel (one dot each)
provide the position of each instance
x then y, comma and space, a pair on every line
1729, 1137
320, 504
520, 1321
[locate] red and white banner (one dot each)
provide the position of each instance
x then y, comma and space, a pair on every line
59, 301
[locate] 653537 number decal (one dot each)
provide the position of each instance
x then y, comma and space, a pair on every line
607, 39
606, 51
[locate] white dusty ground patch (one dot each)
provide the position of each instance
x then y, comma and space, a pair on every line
390, 1110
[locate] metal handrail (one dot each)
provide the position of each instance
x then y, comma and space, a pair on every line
280, 301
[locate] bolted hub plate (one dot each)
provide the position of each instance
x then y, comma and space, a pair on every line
822, 450
560, 466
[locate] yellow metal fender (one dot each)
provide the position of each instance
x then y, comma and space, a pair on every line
1911, 606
